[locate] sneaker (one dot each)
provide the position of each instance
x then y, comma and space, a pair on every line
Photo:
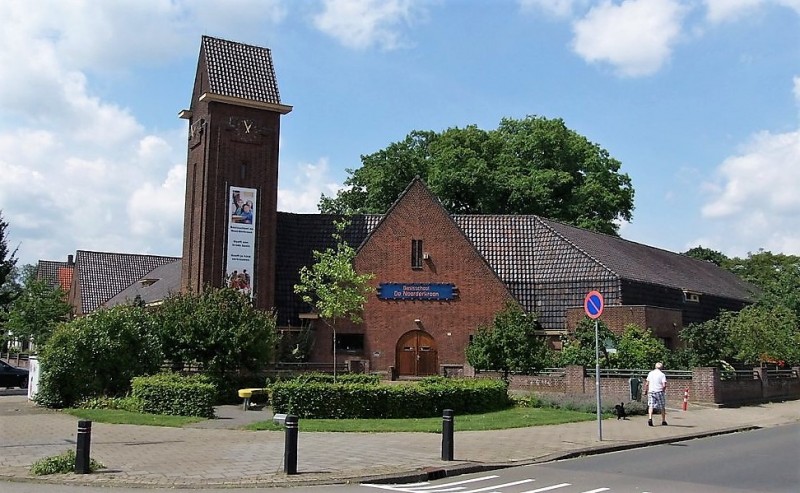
649, 422
663, 423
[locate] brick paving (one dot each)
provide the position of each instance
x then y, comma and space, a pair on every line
213, 454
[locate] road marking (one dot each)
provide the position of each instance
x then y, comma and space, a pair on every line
548, 488
426, 487
598, 490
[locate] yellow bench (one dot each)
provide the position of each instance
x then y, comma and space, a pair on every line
246, 394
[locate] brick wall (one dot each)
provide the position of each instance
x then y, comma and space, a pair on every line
452, 259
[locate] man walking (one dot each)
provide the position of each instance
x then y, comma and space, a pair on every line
656, 388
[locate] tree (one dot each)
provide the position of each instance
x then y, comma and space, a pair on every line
34, 314
707, 254
97, 355
639, 348
333, 287
8, 261
578, 348
765, 334
530, 166
708, 341
219, 329
509, 344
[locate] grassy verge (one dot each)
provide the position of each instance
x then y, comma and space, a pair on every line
118, 416
517, 417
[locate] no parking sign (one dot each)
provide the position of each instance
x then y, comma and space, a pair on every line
593, 304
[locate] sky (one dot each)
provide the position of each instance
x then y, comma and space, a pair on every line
698, 99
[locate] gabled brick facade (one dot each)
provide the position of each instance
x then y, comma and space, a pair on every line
448, 258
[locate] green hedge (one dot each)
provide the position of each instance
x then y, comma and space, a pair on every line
356, 400
317, 377
173, 394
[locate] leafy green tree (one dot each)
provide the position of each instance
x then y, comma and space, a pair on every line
764, 268
578, 348
709, 341
530, 166
97, 355
219, 329
36, 312
509, 344
765, 333
707, 254
333, 287
8, 289
639, 348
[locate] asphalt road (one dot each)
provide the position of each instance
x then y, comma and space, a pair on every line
761, 460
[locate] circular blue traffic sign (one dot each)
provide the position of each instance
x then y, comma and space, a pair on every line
593, 304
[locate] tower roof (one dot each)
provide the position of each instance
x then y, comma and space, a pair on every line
240, 74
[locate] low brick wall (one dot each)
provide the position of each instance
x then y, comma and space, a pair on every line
705, 386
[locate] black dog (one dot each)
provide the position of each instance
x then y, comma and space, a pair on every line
619, 410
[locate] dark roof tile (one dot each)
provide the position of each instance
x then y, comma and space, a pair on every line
240, 71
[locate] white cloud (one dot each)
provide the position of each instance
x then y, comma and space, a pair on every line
635, 37
556, 8
733, 10
796, 88
361, 24
757, 195
80, 171
306, 185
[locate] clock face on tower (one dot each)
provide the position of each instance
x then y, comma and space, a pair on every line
246, 130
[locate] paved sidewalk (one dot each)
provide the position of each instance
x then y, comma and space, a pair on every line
205, 455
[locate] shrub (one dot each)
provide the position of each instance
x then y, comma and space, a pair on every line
580, 402
356, 400
127, 403
60, 464
97, 355
173, 394
341, 378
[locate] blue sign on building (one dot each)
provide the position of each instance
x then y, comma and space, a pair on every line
417, 291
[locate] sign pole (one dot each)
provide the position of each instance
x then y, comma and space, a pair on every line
597, 380
593, 306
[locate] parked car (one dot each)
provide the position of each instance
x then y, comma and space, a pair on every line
11, 376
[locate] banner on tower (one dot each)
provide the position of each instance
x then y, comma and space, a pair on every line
241, 239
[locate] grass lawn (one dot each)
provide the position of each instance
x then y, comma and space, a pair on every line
516, 417
117, 416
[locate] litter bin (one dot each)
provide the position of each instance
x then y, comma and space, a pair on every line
636, 388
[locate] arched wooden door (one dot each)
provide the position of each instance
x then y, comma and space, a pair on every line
416, 354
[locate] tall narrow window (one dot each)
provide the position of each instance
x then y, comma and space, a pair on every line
416, 254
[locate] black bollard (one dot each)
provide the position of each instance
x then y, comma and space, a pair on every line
447, 434
84, 441
290, 445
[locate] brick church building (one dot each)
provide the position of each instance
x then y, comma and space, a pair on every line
437, 276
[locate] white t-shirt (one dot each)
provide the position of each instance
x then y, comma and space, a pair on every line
656, 381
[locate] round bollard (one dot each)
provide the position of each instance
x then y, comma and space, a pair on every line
84, 441
447, 434
290, 445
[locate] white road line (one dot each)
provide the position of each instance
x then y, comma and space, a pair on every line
492, 488
598, 490
454, 483
426, 487
548, 488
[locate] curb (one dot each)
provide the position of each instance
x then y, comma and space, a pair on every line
434, 473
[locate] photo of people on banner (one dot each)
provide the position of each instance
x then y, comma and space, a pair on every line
242, 204
240, 281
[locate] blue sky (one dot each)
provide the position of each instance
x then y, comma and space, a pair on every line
698, 99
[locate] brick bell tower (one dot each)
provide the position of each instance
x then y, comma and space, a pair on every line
232, 171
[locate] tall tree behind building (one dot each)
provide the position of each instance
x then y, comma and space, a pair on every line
530, 166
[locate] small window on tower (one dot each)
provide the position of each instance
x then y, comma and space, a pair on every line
416, 254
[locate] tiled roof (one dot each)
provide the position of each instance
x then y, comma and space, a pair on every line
240, 71
47, 271
298, 236
530, 254
638, 262
101, 275
153, 287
